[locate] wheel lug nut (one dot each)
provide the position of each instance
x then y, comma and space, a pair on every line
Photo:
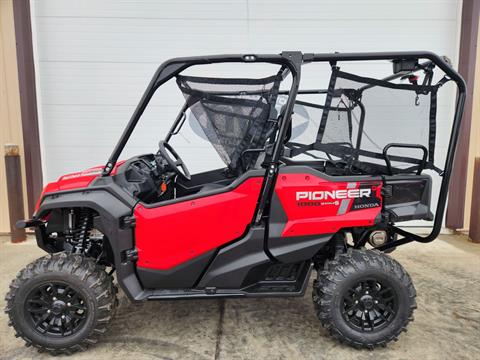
366, 292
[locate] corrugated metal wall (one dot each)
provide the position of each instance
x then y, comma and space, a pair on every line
96, 57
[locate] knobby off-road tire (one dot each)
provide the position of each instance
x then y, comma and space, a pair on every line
364, 298
70, 288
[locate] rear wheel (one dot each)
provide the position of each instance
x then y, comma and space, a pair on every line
364, 298
61, 303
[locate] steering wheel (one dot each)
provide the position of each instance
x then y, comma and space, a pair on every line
176, 163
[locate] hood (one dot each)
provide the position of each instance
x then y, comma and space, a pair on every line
75, 180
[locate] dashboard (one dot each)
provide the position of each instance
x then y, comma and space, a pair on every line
147, 177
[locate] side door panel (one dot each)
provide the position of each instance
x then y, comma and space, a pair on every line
170, 235
308, 207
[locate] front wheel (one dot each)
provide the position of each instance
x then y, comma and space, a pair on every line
364, 298
61, 303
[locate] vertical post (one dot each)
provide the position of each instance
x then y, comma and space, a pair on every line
14, 191
474, 231
466, 67
28, 102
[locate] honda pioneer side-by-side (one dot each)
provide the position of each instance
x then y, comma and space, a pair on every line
315, 179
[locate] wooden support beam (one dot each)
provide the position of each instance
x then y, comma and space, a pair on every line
28, 102
468, 52
474, 232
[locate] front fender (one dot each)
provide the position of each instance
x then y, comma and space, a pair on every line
112, 208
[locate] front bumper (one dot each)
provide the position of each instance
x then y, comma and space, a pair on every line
28, 223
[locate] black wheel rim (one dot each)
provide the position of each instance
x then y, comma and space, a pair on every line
56, 309
369, 305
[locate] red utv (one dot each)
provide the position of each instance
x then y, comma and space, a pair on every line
294, 197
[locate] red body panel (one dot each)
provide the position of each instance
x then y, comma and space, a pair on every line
312, 207
170, 235
75, 180
78, 179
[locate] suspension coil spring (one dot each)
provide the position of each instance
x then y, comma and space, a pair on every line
81, 233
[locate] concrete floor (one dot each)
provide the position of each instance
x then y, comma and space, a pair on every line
447, 321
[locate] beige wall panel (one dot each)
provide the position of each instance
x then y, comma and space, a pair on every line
10, 116
474, 136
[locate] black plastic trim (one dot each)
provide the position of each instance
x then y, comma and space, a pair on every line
233, 262
183, 276
288, 249
214, 293
291, 248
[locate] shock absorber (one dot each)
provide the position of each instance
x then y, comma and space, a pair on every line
81, 233
69, 233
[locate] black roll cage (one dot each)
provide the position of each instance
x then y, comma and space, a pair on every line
292, 62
